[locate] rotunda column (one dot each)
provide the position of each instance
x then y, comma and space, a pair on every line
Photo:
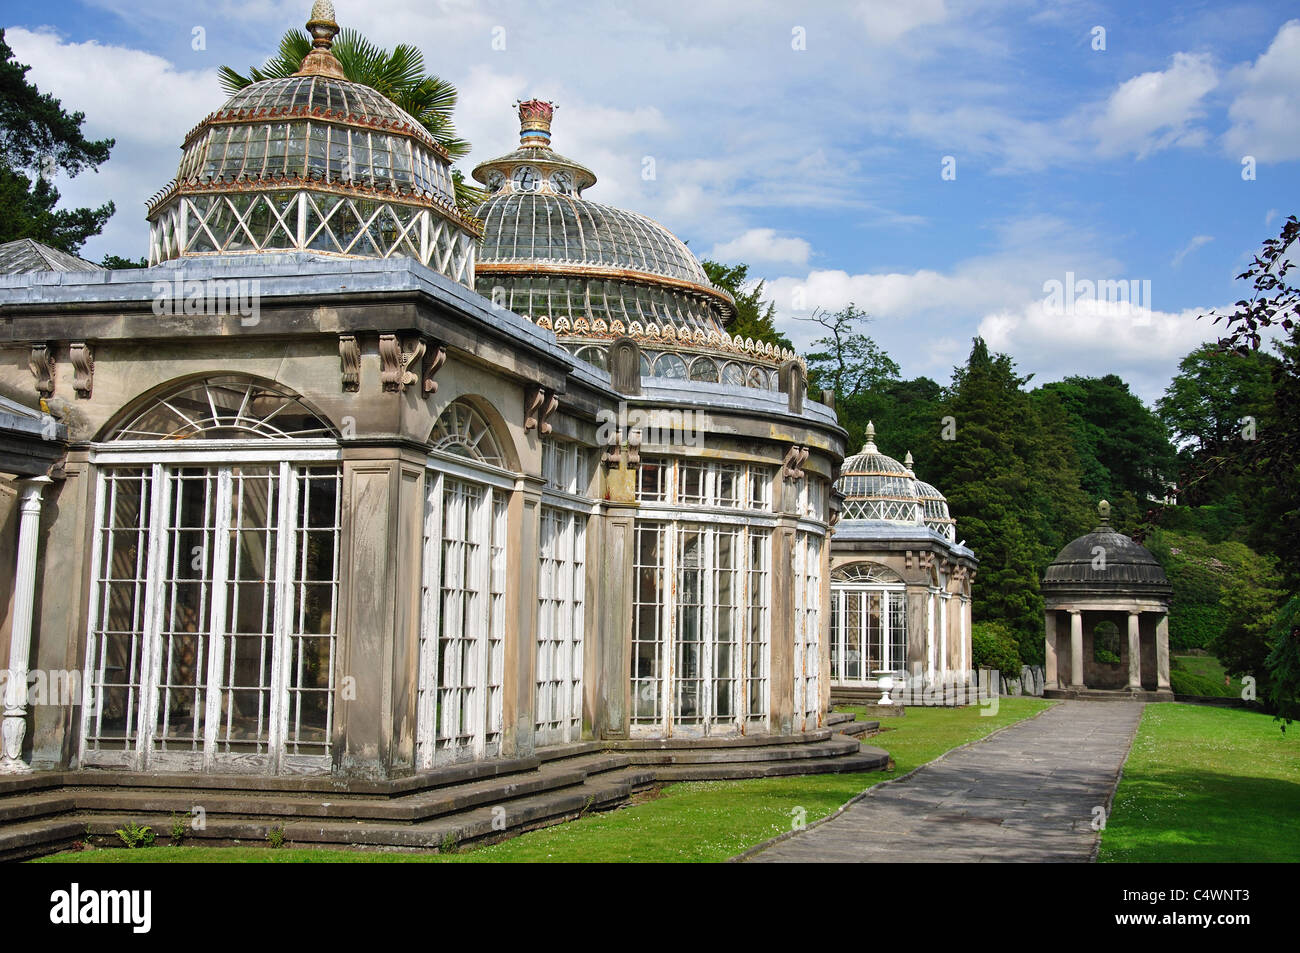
1162, 653
1049, 649
1134, 652
1076, 649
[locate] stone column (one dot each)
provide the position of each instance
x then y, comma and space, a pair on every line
1134, 652
1076, 649
618, 582
1162, 654
1049, 649
14, 728
781, 670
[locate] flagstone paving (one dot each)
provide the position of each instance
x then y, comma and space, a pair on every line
1028, 793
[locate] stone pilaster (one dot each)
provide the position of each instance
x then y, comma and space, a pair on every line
377, 680
1049, 651
519, 721
1162, 654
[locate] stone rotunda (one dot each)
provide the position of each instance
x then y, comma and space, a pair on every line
1107, 619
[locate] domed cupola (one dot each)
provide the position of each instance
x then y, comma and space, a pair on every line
593, 273
878, 487
313, 163
1105, 562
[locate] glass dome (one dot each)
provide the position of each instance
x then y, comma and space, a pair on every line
934, 510
592, 272
313, 162
878, 487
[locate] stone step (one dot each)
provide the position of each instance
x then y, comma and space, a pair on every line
479, 824
867, 760
39, 837
836, 718
836, 746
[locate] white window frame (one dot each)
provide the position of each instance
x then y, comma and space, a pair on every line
140, 749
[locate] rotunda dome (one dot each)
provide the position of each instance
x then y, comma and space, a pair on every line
1105, 561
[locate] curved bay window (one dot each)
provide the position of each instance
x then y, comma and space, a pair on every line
215, 579
701, 628
462, 631
868, 623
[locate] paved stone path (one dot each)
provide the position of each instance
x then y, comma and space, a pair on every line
1025, 794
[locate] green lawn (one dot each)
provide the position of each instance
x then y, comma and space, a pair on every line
695, 821
1207, 784
1206, 673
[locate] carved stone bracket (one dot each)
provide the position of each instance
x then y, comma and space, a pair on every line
350, 358
43, 368
918, 560
539, 403
83, 362
792, 465
395, 362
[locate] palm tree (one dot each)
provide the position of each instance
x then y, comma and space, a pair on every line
397, 75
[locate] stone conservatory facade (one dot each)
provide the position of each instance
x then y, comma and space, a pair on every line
900, 584
321, 507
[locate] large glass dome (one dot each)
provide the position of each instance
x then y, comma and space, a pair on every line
592, 272
313, 162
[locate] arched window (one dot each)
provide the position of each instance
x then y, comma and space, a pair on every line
704, 369
1105, 643
225, 408
211, 570
670, 365
868, 622
462, 430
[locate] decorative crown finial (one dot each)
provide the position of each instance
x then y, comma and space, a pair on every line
535, 123
322, 27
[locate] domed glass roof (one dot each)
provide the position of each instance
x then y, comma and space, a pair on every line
313, 162
545, 226
878, 487
593, 273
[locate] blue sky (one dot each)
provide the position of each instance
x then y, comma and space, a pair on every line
810, 143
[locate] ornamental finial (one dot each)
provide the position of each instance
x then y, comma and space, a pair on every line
870, 445
907, 461
1103, 510
322, 28
535, 123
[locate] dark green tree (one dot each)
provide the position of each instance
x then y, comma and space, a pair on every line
1123, 446
754, 317
38, 136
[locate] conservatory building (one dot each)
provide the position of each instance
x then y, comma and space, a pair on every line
320, 507
900, 593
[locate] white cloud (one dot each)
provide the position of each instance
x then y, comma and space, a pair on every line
1265, 114
1097, 337
1156, 110
763, 245
1196, 242
887, 20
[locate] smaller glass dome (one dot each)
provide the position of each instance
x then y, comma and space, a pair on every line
878, 487
934, 510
